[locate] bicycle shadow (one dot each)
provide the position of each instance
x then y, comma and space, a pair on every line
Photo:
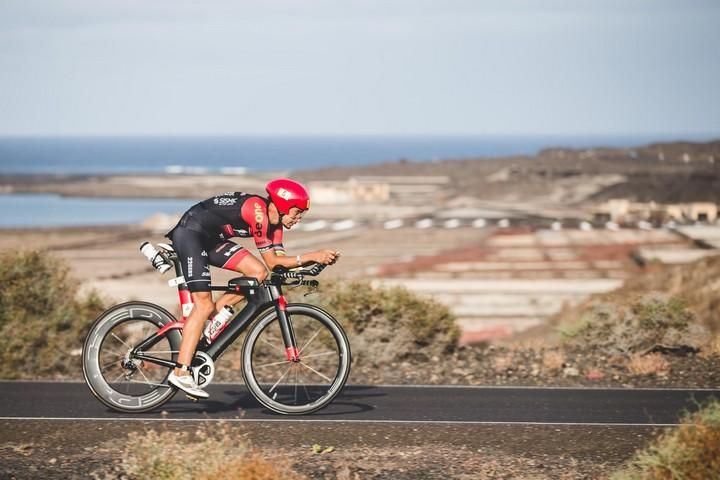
349, 402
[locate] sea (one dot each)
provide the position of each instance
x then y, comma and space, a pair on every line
197, 155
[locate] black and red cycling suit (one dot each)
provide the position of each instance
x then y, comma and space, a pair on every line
201, 237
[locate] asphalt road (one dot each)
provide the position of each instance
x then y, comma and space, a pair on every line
393, 404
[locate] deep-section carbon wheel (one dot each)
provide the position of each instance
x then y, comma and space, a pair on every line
119, 380
295, 388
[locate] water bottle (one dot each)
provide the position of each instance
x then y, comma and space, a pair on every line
155, 258
218, 323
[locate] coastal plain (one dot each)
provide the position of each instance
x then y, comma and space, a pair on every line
502, 244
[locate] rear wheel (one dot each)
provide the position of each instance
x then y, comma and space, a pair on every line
116, 378
296, 388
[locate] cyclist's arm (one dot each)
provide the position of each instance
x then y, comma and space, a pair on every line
273, 259
272, 256
276, 255
269, 243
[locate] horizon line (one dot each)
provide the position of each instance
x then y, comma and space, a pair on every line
663, 135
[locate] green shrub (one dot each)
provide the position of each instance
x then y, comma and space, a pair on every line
697, 283
688, 452
42, 322
638, 327
389, 324
661, 317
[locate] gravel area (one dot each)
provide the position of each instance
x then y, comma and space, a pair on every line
74, 450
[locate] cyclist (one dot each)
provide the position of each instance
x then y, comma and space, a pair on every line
202, 238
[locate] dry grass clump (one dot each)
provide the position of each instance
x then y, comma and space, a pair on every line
652, 321
711, 347
553, 360
502, 363
650, 364
203, 456
42, 322
252, 467
689, 452
386, 325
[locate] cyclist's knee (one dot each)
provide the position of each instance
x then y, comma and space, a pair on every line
260, 273
204, 303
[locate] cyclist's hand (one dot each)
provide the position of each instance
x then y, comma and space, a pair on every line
326, 257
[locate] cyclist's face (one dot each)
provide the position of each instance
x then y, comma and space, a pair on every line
293, 216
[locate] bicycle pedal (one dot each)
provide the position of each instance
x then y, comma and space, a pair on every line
191, 398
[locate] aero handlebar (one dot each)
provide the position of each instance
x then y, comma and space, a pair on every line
281, 273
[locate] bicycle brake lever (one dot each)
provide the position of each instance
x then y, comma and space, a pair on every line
313, 284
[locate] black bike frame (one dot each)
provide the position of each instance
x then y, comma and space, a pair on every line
268, 295
260, 298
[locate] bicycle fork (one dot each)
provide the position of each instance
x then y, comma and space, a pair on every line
286, 328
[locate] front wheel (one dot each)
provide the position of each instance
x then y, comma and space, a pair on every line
296, 388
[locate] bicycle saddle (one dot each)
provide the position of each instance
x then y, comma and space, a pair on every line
166, 247
243, 282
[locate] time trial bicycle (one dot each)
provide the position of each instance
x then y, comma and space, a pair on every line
295, 356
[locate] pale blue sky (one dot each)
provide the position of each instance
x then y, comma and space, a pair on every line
177, 67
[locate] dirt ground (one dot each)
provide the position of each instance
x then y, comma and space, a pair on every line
74, 450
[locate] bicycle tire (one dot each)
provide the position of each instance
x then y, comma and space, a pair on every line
328, 331
150, 317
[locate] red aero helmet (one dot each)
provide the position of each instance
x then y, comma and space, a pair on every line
286, 193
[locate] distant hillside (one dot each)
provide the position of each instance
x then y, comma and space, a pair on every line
663, 172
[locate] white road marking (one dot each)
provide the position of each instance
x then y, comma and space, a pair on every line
408, 422
482, 387
536, 387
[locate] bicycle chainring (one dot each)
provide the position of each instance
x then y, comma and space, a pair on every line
203, 369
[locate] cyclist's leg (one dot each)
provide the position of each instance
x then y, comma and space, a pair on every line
202, 310
232, 256
181, 377
192, 253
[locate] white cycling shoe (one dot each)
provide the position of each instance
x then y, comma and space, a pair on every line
187, 384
